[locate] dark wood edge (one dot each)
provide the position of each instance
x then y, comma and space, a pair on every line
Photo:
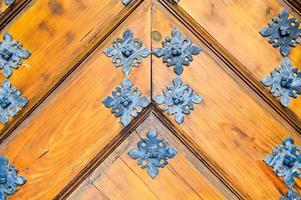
93, 45
295, 5
102, 155
12, 11
233, 66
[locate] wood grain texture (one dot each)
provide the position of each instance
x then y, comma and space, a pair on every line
64, 33
183, 178
72, 125
233, 128
240, 22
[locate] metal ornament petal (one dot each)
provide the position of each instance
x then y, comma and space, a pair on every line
10, 101
283, 32
284, 82
126, 2
285, 161
127, 52
152, 153
178, 99
11, 54
291, 195
177, 51
9, 178
9, 3
126, 101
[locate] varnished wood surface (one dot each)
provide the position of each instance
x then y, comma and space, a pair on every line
233, 128
72, 126
240, 22
59, 34
185, 177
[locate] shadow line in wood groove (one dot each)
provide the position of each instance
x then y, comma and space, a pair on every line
10, 13
102, 155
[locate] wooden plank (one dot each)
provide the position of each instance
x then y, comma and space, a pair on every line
240, 22
233, 129
184, 177
72, 126
64, 33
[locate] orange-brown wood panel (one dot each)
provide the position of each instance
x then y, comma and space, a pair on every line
233, 128
59, 34
185, 177
235, 25
72, 126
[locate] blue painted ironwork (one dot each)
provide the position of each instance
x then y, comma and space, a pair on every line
286, 161
11, 54
178, 99
176, 1
126, 2
177, 51
9, 179
152, 153
126, 101
127, 52
291, 195
9, 3
283, 32
284, 82
10, 101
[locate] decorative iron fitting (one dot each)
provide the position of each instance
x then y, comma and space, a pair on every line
11, 54
9, 179
177, 51
176, 1
126, 101
283, 32
291, 195
152, 153
127, 52
126, 2
178, 99
10, 101
9, 3
286, 161
284, 82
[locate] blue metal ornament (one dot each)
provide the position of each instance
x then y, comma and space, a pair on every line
177, 51
10, 101
127, 52
126, 101
178, 99
9, 3
152, 153
284, 82
291, 195
286, 161
11, 54
126, 2
9, 179
283, 32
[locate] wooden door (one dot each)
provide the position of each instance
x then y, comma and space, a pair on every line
150, 99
